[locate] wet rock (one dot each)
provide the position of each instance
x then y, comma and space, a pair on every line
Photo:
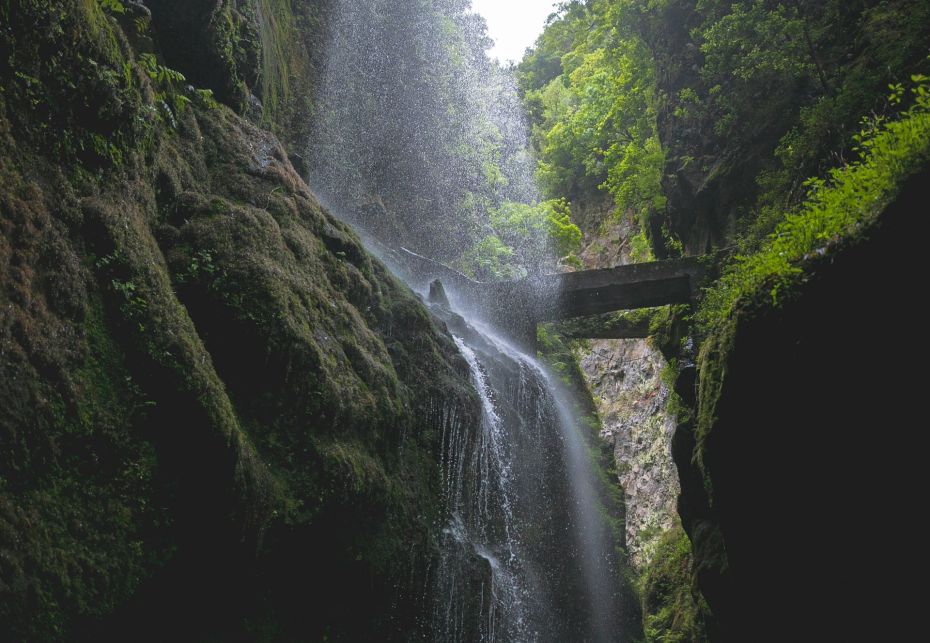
437, 294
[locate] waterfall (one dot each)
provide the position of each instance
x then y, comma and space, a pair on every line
526, 553
526, 548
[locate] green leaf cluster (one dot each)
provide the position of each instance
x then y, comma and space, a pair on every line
173, 95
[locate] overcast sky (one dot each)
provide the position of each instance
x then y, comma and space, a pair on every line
513, 24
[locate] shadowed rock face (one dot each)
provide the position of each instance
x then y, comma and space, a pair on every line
803, 449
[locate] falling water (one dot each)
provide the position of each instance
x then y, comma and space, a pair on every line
527, 553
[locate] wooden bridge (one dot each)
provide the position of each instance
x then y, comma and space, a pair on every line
518, 306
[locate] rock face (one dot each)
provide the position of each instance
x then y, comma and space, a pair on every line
624, 378
219, 416
803, 445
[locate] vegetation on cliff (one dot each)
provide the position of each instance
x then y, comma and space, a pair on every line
220, 418
837, 209
589, 89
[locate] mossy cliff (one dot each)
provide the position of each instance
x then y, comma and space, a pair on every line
219, 417
260, 57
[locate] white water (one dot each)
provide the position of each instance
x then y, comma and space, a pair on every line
558, 583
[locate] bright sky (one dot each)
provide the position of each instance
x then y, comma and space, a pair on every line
513, 24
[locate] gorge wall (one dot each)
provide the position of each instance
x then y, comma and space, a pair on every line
220, 416
786, 412
628, 381
800, 448
775, 136
625, 380
221, 419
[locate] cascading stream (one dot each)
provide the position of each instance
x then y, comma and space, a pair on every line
526, 552
478, 496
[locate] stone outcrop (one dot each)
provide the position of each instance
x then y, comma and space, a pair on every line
624, 379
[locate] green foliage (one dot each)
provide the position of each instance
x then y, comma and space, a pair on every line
589, 88
773, 92
836, 207
670, 612
557, 353
526, 239
279, 63
173, 94
489, 260
755, 44
640, 248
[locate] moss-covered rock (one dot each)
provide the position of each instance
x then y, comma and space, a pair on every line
220, 417
260, 57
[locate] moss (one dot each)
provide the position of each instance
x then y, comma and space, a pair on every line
277, 33
214, 44
673, 611
69, 82
204, 375
79, 528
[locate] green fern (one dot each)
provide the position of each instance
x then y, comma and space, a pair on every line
171, 89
